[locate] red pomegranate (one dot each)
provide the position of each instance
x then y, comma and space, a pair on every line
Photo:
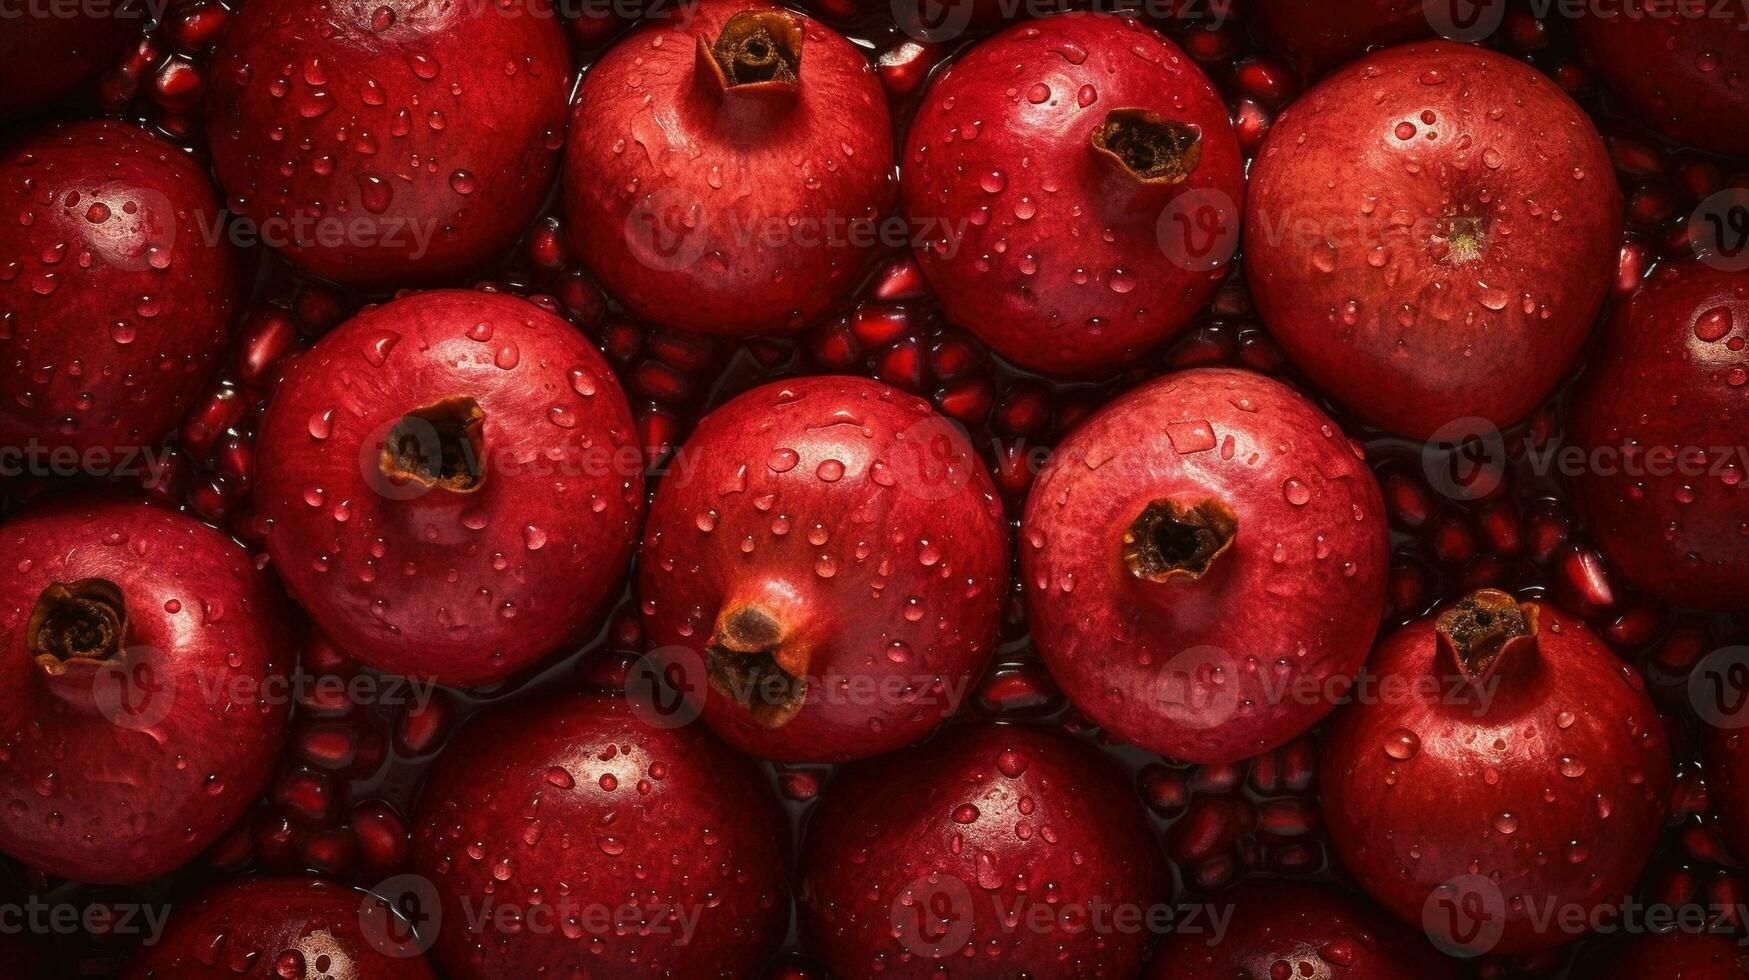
1727, 775
1670, 956
989, 851
828, 561
388, 142
451, 484
1317, 35
728, 172
1660, 418
283, 927
49, 52
1205, 564
1077, 183
1681, 67
116, 291
143, 688
1430, 234
1287, 929
1510, 773
570, 838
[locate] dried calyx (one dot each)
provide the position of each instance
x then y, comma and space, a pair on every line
750, 664
1149, 147
441, 445
758, 50
1169, 540
1485, 634
84, 620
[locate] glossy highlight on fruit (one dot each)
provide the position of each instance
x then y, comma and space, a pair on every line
388, 143
827, 560
1287, 929
573, 814
1075, 178
1429, 235
727, 172
1683, 68
451, 485
116, 289
1205, 564
989, 851
143, 659
1661, 417
1522, 769
293, 928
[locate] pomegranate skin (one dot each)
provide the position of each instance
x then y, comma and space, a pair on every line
288, 925
577, 800
50, 53
1194, 665
1317, 35
469, 583
1683, 69
1672, 956
1314, 933
1551, 794
915, 862
1048, 248
1667, 376
667, 172
1415, 269
115, 299
832, 529
388, 143
153, 739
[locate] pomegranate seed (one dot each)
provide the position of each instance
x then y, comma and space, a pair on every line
902, 279
382, 837
1023, 690
425, 726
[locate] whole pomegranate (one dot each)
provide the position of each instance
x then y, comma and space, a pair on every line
1317, 35
988, 851
828, 560
283, 927
142, 684
1076, 183
571, 838
1205, 564
1430, 233
1676, 955
49, 52
1288, 929
1510, 773
451, 484
728, 172
388, 142
1683, 68
116, 291
1660, 418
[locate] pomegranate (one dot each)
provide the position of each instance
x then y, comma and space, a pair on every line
116, 291
1660, 418
50, 52
1015, 851
1074, 180
1205, 564
451, 484
1291, 929
144, 688
1317, 35
828, 560
1430, 233
728, 172
1671, 956
1511, 772
1727, 776
1681, 67
570, 838
283, 927
386, 142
